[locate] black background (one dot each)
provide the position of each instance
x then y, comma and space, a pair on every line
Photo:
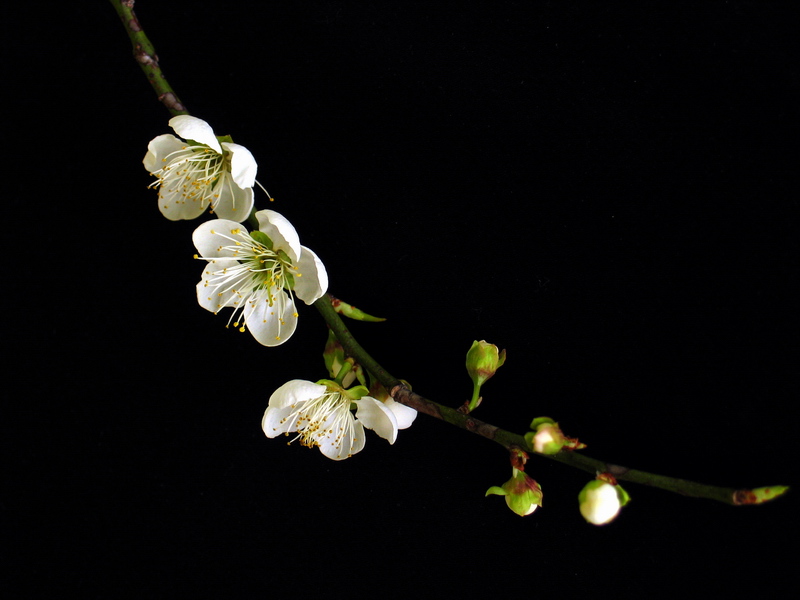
607, 191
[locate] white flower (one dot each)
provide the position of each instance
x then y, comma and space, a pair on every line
258, 274
323, 417
199, 172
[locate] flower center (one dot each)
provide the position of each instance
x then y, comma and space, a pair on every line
258, 276
326, 419
192, 172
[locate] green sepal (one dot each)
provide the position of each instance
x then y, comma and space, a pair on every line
224, 138
495, 490
262, 238
623, 496
529, 440
540, 420
357, 392
330, 384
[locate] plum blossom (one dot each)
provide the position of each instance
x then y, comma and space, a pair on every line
321, 415
200, 170
258, 274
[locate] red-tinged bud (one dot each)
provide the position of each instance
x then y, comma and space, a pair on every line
523, 495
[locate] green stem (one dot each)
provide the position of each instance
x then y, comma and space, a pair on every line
146, 56
510, 440
344, 370
473, 403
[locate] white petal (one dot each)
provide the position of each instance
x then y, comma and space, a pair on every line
405, 415
268, 324
158, 149
243, 165
277, 421
233, 202
197, 130
281, 232
208, 237
212, 295
314, 281
350, 443
377, 416
174, 206
295, 392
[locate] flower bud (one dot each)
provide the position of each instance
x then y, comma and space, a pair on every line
334, 358
759, 495
546, 437
483, 360
522, 493
600, 501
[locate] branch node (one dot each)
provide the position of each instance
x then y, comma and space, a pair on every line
171, 101
616, 470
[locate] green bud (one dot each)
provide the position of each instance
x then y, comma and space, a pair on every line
759, 495
483, 360
764, 494
546, 437
523, 495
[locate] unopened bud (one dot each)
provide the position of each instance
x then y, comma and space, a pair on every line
546, 437
600, 501
523, 494
483, 360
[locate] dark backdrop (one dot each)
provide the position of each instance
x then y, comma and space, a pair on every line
607, 191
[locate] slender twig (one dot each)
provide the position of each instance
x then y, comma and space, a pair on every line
146, 56
510, 440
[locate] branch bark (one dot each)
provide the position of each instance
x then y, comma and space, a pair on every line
144, 53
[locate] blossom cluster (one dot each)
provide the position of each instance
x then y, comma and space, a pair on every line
260, 274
